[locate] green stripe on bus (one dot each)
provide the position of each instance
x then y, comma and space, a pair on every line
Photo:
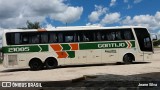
71, 54
65, 46
133, 43
19, 49
105, 45
44, 48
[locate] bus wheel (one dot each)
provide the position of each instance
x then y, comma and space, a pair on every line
128, 58
36, 64
51, 63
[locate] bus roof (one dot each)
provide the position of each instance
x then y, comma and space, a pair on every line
70, 28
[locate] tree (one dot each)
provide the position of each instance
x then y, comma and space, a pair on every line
31, 25
156, 43
34, 25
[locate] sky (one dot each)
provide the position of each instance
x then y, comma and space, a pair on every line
55, 13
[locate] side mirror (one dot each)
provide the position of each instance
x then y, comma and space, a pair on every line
154, 37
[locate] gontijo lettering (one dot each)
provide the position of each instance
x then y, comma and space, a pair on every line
109, 45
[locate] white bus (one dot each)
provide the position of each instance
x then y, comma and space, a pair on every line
75, 45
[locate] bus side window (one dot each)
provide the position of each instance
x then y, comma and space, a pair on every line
68, 38
34, 38
128, 35
44, 37
60, 37
24, 38
78, 38
94, 36
111, 36
85, 39
52, 38
118, 35
103, 36
75, 37
10, 38
17, 38
99, 36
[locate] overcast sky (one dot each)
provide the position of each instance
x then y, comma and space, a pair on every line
15, 13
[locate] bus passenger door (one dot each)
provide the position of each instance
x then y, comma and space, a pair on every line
94, 56
145, 43
148, 46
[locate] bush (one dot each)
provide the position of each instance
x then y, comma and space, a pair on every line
156, 43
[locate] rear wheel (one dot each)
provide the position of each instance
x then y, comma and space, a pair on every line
128, 58
51, 63
36, 64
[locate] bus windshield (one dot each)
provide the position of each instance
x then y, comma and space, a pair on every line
144, 39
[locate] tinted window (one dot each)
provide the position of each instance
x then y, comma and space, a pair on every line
68, 36
144, 39
34, 38
128, 35
10, 38
53, 37
44, 37
60, 37
24, 38
117, 34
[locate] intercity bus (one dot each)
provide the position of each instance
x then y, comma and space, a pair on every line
49, 48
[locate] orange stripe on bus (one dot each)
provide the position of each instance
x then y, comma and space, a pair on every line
56, 47
62, 54
74, 46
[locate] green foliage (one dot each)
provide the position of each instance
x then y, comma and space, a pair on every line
31, 25
0, 58
34, 25
1, 61
156, 43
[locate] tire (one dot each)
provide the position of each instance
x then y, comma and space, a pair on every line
128, 59
51, 63
36, 64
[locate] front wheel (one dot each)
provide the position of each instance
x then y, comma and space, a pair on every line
36, 64
128, 59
